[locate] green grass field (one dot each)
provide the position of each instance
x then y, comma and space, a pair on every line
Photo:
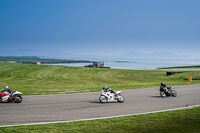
181, 121
33, 79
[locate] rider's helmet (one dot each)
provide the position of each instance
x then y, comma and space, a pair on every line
162, 84
6, 87
104, 88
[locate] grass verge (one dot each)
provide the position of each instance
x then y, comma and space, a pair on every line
46, 79
180, 121
183, 67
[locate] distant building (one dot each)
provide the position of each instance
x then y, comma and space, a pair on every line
38, 63
98, 64
12, 61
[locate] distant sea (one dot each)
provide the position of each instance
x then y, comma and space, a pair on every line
137, 64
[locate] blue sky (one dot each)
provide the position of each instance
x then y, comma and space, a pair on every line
97, 27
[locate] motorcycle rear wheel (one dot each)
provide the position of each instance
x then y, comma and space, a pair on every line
120, 99
103, 99
162, 94
0, 100
17, 99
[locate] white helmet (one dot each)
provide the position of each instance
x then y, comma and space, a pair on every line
6, 87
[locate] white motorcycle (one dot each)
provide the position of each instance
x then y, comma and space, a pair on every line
111, 97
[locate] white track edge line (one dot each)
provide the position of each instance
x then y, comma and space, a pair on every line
99, 118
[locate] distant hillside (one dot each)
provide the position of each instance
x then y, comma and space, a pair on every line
34, 53
6, 57
162, 55
37, 53
25, 59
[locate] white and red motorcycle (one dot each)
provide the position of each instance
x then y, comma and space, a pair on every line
111, 97
16, 97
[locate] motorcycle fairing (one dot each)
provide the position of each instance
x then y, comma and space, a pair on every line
110, 96
4, 97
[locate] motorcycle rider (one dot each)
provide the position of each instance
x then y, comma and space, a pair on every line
108, 89
6, 88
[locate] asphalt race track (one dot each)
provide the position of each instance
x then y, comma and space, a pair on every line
70, 107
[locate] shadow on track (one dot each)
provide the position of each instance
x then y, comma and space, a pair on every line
156, 96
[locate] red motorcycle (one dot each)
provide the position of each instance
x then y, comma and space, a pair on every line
16, 97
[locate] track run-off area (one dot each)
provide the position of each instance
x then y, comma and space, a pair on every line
44, 109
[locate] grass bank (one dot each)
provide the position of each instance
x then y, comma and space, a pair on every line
182, 67
49, 79
181, 121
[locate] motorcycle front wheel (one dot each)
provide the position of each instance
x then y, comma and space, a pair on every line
120, 99
17, 99
0, 100
103, 99
174, 94
162, 94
